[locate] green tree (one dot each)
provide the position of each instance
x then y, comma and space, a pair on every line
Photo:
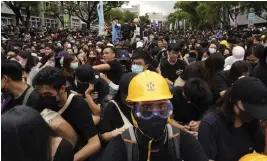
258, 6
55, 9
190, 8
87, 11
144, 19
29, 8
114, 13
129, 16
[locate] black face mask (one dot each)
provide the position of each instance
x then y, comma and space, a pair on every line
253, 65
50, 102
245, 117
154, 128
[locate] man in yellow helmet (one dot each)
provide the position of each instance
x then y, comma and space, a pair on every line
152, 138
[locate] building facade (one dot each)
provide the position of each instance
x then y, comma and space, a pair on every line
8, 17
156, 17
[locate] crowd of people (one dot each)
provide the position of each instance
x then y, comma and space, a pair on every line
166, 95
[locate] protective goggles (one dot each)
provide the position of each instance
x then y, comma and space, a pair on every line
148, 110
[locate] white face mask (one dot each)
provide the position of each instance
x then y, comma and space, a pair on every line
212, 50
204, 58
68, 46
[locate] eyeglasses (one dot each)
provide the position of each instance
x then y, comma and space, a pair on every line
148, 110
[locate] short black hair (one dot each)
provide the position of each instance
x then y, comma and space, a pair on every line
142, 54
110, 47
50, 76
85, 73
12, 69
175, 47
197, 91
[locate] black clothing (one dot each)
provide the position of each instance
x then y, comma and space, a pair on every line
33, 101
169, 70
64, 151
221, 141
183, 111
78, 115
102, 90
112, 118
260, 72
115, 72
190, 150
220, 83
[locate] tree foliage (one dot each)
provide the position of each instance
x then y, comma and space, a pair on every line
87, 12
28, 7
144, 19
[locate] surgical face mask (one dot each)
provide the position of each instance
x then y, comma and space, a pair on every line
74, 65
226, 52
197, 45
68, 45
137, 39
61, 61
75, 50
204, 58
137, 68
212, 50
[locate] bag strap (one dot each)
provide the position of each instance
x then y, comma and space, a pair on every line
174, 142
129, 139
66, 104
27, 95
125, 120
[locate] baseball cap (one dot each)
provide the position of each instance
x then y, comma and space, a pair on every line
123, 55
253, 95
86, 73
61, 54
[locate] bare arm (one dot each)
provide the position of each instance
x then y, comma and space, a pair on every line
92, 146
94, 107
102, 67
64, 129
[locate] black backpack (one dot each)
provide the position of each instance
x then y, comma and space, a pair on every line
129, 139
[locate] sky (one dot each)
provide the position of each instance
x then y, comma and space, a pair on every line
165, 7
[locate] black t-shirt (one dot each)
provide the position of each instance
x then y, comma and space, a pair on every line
102, 90
169, 70
112, 118
183, 111
33, 101
115, 72
78, 115
64, 151
190, 150
221, 141
260, 72
220, 83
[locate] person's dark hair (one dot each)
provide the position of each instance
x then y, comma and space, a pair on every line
227, 106
213, 64
174, 46
50, 76
237, 69
194, 70
50, 46
109, 47
30, 60
142, 54
12, 69
260, 52
63, 42
197, 91
25, 135
68, 71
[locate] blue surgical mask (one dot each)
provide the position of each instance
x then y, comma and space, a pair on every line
137, 68
61, 61
74, 65
212, 50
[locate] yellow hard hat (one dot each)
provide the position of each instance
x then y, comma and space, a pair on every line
225, 43
148, 86
254, 157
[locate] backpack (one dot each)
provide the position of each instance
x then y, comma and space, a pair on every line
131, 144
